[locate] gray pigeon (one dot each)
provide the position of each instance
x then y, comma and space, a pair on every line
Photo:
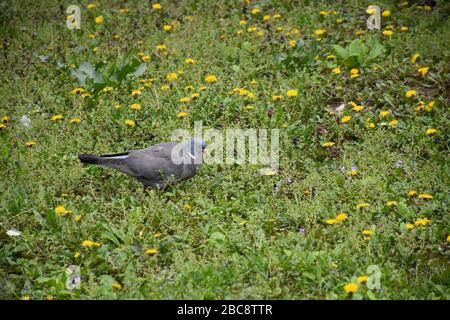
157, 166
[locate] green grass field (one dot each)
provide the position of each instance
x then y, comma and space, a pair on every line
363, 132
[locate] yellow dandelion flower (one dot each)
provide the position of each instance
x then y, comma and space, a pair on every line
255, 11
195, 96
328, 144
350, 288
409, 226
156, 6
384, 114
26, 297
388, 33
185, 99
107, 89
341, 217
181, 114
242, 22
30, 143
75, 120
91, 6
77, 218
145, 58
393, 122
404, 29
336, 70
362, 205
386, 13
77, 254
167, 27
130, 122
391, 203
2, 126
135, 106
161, 47
292, 93
362, 279
151, 251
116, 285
346, 119
430, 131
320, 32
189, 61
293, 43
423, 71
410, 93
367, 232
415, 57
354, 73
157, 234
277, 98
172, 76
211, 78
99, 20
330, 221
57, 117
425, 196
165, 87
422, 222
90, 244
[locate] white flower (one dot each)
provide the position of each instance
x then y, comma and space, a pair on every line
13, 233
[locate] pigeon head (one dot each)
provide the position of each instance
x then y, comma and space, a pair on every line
195, 147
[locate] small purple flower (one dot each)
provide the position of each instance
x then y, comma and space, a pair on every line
354, 168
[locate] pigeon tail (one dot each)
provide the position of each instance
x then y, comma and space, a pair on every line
89, 158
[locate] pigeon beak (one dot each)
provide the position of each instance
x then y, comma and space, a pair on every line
205, 151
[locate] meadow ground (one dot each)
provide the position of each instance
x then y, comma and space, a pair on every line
363, 156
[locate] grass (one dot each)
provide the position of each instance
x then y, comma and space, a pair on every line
227, 233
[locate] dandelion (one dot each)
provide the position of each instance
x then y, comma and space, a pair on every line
293, 43
167, 27
2, 126
331, 57
195, 96
412, 193
423, 71
202, 88
341, 217
61, 210
189, 61
425, 196
330, 221
116, 285
430, 131
384, 114
367, 232
350, 288
336, 70
292, 93
90, 244
77, 218
328, 144
145, 58
172, 76
107, 89
77, 91
211, 78
30, 143
251, 29
161, 47
130, 123
26, 297
320, 32
354, 73
277, 98
391, 203
359, 33
422, 222
386, 13
91, 6
323, 13
371, 11
255, 11
165, 87
362, 279
346, 119
410, 93
393, 123
157, 234
429, 106
404, 29
266, 18
409, 226
181, 114
156, 6
242, 22
135, 106
415, 57
99, 20
388, 33
74, 120
151, 251
448, 238
185, 100
362, 205
77, 254
57, 117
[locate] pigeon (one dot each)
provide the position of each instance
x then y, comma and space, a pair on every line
158, 166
